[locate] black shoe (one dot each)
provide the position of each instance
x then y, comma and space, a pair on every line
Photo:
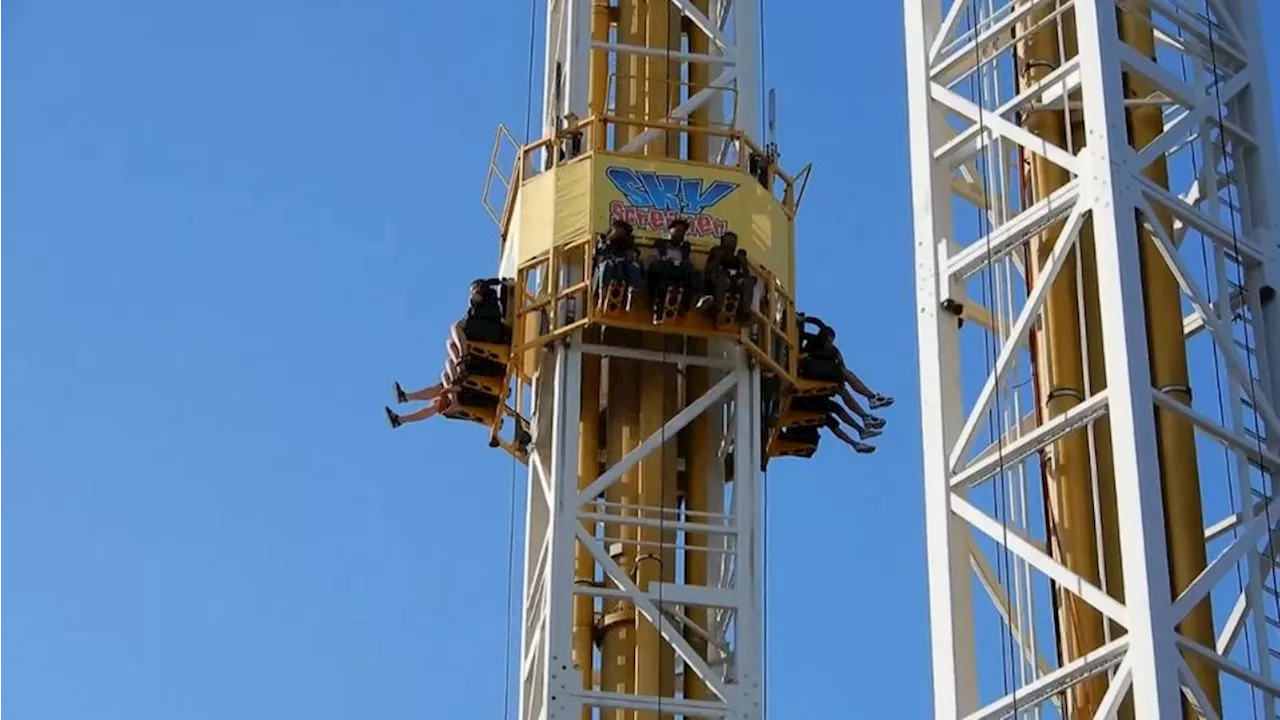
393, 418
400, 396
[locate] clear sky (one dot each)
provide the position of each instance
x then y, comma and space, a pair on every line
230, 226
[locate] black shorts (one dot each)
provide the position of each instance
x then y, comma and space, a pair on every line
805, 403
806, 435
474, 398
483, 367
820, 368
486, 330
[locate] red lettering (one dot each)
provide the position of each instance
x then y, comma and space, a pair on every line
702, 225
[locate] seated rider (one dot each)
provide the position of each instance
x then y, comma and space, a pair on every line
486, 317
834, 415
617, 259
821, 360
671, 266
726, 272
484, 321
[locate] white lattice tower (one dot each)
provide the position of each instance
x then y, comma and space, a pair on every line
965, 152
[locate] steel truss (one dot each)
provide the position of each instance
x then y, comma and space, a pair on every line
732, 96
963, 150
560, 515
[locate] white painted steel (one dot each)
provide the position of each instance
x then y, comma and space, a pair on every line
955, 134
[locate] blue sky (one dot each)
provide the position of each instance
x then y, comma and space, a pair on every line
231, 226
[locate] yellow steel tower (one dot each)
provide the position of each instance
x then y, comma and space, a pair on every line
1096, 195
641, 594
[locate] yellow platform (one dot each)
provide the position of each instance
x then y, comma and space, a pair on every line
791, 448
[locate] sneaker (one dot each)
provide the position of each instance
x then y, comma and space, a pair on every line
400, 396
874, 422
880, 401
393, 418
864, 448
869, 433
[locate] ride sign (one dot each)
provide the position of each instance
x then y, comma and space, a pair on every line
651, 199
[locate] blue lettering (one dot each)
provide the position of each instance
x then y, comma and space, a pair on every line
631, 187
647, 189
697, 199
664, 189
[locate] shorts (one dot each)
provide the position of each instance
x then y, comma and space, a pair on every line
474, 398
486, 330
483, 367
806, 435
824, 405
820, 368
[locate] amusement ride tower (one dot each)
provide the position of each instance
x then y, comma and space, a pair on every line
643, 547
1097, 212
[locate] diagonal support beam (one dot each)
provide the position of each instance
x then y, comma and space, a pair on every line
692, 660
1109, 705
1245, 542
1201, 305
1013, 453
1042, 689
682, 111
1177, 131
1040, 560
651, 443
703, 23
1020, 136
1017, 335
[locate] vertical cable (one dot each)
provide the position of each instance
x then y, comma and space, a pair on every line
1228, 169
1000, 486
511, 504
1217, 379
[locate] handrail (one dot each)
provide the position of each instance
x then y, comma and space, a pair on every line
589, 127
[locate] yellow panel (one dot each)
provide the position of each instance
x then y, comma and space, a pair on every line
555, 204
573, 202
532, 227
649, 193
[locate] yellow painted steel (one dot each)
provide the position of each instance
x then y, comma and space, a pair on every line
598, 88
1070, 494
584, 567
649, 557
697, 501
618, 644
1061, 368
697, 562
1184, 517
699, 77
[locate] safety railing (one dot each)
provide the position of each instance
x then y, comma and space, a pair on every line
554, 297
576, 140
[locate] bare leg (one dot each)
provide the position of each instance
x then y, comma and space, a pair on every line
844, 417
397, 420
873, 423
876, 400
856, 383
428, 393
855, 444
852, 403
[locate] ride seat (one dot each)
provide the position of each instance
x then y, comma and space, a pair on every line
805, 387
473, 406
802, 443
672, 303
729, 310
801, 418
